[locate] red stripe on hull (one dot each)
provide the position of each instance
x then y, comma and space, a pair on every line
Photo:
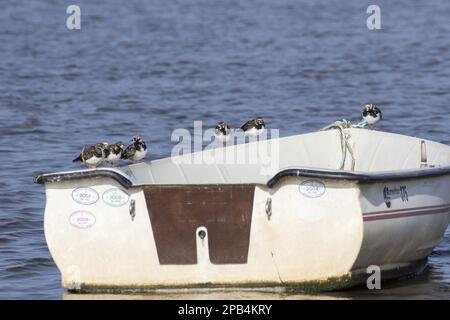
409, 209
405, 213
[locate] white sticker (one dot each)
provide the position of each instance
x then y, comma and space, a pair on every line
312, 188
85, 195
82, 219
115, 197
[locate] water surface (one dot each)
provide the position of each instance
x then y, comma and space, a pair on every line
149, 67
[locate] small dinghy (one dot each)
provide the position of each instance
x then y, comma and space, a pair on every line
313, 212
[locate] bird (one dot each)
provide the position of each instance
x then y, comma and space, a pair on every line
371, 114
254, 127
222, 132
136, 150
92, 156
113, 153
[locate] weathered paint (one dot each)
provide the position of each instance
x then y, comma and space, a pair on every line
177, 211
121, 251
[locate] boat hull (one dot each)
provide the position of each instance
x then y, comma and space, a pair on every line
309, 233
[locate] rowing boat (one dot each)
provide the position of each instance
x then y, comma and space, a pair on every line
300, 211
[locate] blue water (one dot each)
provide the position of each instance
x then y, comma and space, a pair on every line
150, 67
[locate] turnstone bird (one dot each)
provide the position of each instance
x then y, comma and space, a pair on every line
222, 132
136, 150
92, 156
371, 114
254, 127
113, 153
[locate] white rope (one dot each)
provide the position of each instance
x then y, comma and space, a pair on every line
362, 124
341, 125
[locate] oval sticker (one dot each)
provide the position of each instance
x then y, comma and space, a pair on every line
85, 195
312, 188
82, 219
115, 197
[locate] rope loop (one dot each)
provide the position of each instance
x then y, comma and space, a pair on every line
341, 125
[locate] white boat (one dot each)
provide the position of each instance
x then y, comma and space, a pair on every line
319, 221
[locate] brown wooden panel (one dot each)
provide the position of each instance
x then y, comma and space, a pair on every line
177, 211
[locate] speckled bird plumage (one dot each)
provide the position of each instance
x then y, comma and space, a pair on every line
113, 153
371, 114
222, 132
92, 156
254, 127
136, 150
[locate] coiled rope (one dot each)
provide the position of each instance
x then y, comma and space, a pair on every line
341, 125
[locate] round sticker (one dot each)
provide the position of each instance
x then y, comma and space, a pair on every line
82, 219
85, 195
115, 197
312, 188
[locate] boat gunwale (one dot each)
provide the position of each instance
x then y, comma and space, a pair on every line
361, 177
84, 174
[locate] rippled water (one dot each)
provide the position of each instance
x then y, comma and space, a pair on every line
149, 67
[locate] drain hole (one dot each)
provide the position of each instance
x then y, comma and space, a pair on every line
202, 234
